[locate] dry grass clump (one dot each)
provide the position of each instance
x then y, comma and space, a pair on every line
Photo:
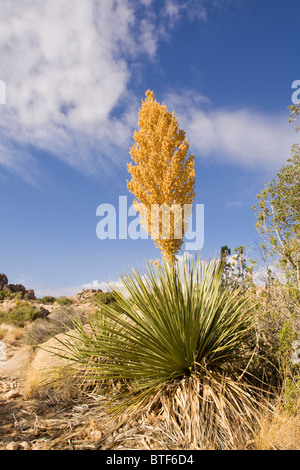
51, 375
17, 333
210, 412
279, 429
3, 331
11, 333
53, 385
61, 320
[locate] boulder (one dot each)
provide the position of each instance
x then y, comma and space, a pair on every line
20, 288
87, 294
43, 312
31, 295
3, 281
18, 364
49, 355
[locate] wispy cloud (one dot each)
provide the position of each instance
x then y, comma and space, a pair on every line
67, 69
192, 8
243, 137
96, 284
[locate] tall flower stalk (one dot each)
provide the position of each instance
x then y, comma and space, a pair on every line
162, 176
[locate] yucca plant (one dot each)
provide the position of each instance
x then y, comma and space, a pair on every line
171, 326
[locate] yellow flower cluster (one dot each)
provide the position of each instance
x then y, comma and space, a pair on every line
163, 177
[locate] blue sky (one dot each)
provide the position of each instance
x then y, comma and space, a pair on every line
76, 74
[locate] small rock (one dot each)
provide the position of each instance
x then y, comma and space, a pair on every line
43, 312
25, 445
12, 394
12, 446
39, 446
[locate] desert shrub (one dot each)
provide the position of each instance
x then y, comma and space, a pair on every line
19, 315
104, 298
48, 299
59, 387
277, 326
64, 317
279, 430
172, 344
61, 320
39, 332
17, 333
5, 294
63, 300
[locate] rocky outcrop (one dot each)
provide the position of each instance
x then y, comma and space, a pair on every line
87, 294
16, 288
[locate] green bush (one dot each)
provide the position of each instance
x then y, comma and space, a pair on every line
105, 298
63, 300
48, 299
4, 294
277, 325
19, 315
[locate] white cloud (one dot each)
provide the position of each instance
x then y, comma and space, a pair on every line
67, 69
41, 291
174, 9
104, 286
66, 65
243, 137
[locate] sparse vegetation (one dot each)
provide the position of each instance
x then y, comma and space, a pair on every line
199, 360
8, 295
61, 320
63, 300
3, 331
104, 298
19, 315
171, 341
48, 299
